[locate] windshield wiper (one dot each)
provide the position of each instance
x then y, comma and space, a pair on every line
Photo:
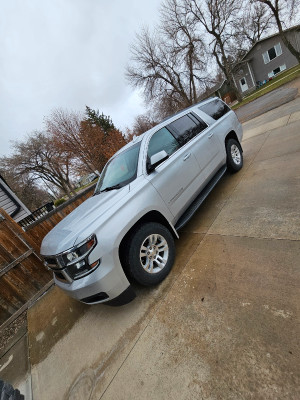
118, 186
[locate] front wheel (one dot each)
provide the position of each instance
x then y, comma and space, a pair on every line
234, 155
151, 253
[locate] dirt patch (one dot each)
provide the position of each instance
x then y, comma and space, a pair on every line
12, 333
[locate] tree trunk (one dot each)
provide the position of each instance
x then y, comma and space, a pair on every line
290, 47
234, 88
287, 43
229, 77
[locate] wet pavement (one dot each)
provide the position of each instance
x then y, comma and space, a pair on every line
223, 325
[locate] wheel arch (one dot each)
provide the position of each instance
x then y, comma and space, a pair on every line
151, 216
231, 135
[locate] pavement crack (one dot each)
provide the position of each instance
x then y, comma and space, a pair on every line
288, 119
280, 155
253, 237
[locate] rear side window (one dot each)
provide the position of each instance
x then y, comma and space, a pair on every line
187, 127
215, 109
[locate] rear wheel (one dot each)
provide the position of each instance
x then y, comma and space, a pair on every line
150, 253
234, 155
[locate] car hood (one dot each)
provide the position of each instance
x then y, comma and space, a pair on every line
78, 225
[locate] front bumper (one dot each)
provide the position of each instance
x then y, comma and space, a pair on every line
104, 284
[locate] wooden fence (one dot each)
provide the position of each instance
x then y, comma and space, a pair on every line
23, 277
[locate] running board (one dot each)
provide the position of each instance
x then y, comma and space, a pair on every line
187, 215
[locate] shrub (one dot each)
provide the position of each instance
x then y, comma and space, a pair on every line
58, 202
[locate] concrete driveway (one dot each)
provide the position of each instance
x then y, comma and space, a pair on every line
223, 325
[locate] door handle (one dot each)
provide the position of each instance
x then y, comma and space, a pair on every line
210, 135
188, 155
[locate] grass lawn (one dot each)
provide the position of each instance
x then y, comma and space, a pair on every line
281, 79
87, 185
65, 198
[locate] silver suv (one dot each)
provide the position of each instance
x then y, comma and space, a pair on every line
147, 191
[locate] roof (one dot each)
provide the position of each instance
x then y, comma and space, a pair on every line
1, 177
183, 110
292, 28
160, 125
217, 86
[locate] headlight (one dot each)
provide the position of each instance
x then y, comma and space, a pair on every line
76, 261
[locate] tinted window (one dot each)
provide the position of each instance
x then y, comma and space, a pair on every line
272, 53
162, 140
215, 109
186, 127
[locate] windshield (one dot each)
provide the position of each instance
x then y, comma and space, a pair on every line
120, 170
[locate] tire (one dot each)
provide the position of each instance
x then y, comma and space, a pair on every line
234, 155
7, 392
150, 253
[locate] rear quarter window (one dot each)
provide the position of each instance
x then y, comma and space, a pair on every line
187, 127
215, 109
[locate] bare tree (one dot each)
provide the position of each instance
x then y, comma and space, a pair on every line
39, 158
170, 63
91, 141
252, 23
26, 188
65, 127
186, 43
278, 9
218, 19
142, 123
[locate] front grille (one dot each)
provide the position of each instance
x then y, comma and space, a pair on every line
50, 260
52, 263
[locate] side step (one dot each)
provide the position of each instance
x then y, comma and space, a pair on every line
187, 215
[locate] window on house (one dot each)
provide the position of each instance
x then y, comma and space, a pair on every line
272, 53
276, 71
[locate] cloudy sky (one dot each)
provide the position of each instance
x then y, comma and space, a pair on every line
67, 53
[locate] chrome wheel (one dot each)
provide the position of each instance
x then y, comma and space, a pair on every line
235, 154
154, 253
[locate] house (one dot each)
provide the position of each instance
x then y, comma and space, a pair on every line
11, 203
267, 58
222, 90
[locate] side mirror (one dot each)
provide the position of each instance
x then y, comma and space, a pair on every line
157, 159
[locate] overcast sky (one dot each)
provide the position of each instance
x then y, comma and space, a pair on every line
67, 53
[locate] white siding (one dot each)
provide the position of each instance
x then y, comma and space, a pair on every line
9, 205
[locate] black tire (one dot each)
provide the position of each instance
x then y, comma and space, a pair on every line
150, 264
7, 392
234, 155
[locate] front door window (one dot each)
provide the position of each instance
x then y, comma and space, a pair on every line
243, 84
